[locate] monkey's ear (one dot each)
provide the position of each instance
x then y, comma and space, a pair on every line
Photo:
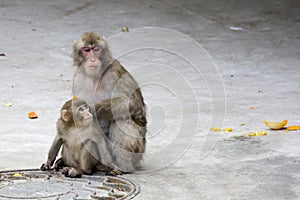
66, 115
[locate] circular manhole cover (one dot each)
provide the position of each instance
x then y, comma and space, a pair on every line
36, 184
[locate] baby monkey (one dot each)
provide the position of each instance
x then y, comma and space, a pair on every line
84, 146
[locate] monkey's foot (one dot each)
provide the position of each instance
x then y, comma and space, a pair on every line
71, 172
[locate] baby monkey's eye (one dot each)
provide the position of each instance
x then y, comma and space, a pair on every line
80, 109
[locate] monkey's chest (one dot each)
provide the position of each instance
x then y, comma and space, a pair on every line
73, 147
94, 92
104, 90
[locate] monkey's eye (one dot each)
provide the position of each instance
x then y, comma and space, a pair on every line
96, 48
80, 110
89, 49
86, 49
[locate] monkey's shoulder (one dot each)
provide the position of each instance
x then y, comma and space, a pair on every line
120, 76
117, 70
117, 67
63, 127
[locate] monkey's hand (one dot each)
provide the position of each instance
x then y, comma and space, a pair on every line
114, 108
47, 165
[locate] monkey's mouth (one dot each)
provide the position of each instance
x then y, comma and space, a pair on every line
88, 119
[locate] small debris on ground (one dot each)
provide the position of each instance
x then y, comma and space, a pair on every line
32, 115
236, 28
257, 133
125, 29
10, 104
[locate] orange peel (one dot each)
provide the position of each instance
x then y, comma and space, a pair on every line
32, 115
257, 133
17, 175
293, 128
214, 129
276, 125
228, 129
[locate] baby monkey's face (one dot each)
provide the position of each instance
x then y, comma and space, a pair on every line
83, 115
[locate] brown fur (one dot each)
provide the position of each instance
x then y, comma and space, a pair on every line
84, 147
118, 102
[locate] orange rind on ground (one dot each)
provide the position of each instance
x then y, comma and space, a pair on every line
216, 129
32, 115
275, 125
257, 133
17, 175
228, 129
293, 128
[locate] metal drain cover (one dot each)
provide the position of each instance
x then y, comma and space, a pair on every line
50, 185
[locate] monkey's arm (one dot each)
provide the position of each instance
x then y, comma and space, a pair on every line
121, 107
53, 152
113, 108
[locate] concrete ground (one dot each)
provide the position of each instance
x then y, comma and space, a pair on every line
206, 64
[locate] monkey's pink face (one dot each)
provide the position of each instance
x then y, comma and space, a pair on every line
91, 54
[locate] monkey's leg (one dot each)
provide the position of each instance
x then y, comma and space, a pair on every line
89, 157
96, 156
128, 144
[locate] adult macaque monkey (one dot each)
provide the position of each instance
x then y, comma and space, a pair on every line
119, 104
84, 145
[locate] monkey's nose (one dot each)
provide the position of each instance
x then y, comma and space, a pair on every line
93, 60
